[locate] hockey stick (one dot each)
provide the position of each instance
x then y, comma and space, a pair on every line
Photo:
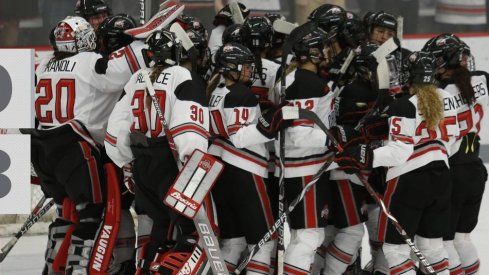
283, 26
160, 20
187, 43
35, 215
397, 225
290, 112
236, 14
142, 6
202, 224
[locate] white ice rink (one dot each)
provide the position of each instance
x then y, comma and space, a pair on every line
26, 258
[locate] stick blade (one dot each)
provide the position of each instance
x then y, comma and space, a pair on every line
160, 20
283, 26
236, 14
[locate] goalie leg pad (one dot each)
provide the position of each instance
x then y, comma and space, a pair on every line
58, 230
84, 237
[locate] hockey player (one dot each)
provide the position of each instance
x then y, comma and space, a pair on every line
327, 16
418, 190
345, 229
239, 136
111, 36
305, 149
468, 92
94, 11
142, 141
66, 149
275, 52
222, 20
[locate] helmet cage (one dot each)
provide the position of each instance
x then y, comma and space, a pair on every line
73, 35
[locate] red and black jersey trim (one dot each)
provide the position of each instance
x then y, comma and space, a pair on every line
188, 128
473, 268
131, 59
424, 148
82, 131
402, 138
303, 161
110, 139
339, 254
241, 153
402, 268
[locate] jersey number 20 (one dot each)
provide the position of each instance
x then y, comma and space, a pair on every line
64, 100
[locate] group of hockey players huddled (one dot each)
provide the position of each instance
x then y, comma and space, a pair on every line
403, 123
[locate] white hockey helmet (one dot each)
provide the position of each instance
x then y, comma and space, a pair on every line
74, 34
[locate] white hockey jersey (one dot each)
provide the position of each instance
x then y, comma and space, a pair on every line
71, 91
305, 142
182, 100
470, 117
264, 89
411, 145
215, 39
234, 115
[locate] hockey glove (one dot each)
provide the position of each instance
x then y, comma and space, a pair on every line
355, 159
271, 121
350, 111
375, 128
346, 135
128, 179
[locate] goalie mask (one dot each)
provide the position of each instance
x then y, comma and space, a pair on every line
163, 49
111, 32
327, 16
231, 57
257, 32
73, 35
448, 50
421, 68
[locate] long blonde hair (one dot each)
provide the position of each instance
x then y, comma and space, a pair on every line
155, 72
430, 104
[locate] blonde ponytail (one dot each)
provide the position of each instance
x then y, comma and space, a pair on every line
430, 104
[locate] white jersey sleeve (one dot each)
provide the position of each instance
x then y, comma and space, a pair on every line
117, 142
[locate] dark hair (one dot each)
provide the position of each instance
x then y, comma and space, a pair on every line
462, 79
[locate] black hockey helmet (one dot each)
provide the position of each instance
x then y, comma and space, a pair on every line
231, 57
380, 19
225, 17
327, 16
257, 32
351, 32
87, 8
364, 63
421, 68
111, 32
233, 33
163, 48
277, 37
200, 38
311, 44
448, 50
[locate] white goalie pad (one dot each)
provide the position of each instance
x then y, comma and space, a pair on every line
160, 20
193, 183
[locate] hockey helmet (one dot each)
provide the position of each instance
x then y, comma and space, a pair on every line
380, 19
311, 44
233, 34
73, 35
448, 50
86, 8
111, 31
351, 32
277, 37
364, 63
257, 32
327, 16
421, 68
231, 57
163, 48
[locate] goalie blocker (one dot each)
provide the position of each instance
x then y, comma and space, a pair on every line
194, 181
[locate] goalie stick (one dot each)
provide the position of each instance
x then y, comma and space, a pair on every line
160, 20
283, 26
36, 214
202, 224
